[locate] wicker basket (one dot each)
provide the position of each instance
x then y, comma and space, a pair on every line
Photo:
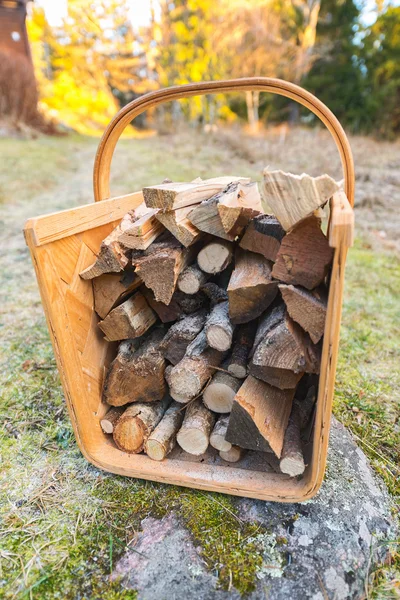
64, 243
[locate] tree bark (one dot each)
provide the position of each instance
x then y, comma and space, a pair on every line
263, 235
130, 319
237, 365
163, 438
109, 421
218, 327
174, 345
217, 437
136, 424
194, 435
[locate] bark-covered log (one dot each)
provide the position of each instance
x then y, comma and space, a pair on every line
194, 435
218, 328
111, 289
178, 224
305, 256
137, 372
110, 419
217, 437
160, 266
259, 416
220, 393
188, 377
170, 196
292, 460
174, 345
163, 438
294, 197
191, 280
308, 309
130, 319
233, 455
251, 289
237, 364
215, 257
113, 256
263, 235
215, 293
136, 424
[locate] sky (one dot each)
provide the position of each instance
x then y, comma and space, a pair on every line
140, 10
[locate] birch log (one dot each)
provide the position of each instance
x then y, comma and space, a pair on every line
136, 424
163, 438
194, 435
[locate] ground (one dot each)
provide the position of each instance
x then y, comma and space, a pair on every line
65, 524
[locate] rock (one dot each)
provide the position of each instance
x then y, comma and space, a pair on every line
317, 550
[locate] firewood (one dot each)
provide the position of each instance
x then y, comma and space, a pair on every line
163, 438
308, 309
194, 435
189, 376
292, 460
180, 398
130, 319
171, 196
295, 197
237, 365
284, 379
137, 372
109, 421
198, 345
174, 345
111, 289
160, 266
113, 256
215, 257
143, 232
251, 289
205, 216
217, 437
284, 345
220, 393
136, 424
263, 235
215, 293
178, 224
218, 327
259, 416
166, 314
236, 210
191, 280
304, 256
233, 455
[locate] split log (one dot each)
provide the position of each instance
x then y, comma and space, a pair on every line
111, 289
284, 346
137, 372
284, 379
178, 224
218, 327
189, 376
191, 280
162, 440
130, 319
251, 289
113, 256
109, 421
220, 393
136, 424
217, 437
160, 266
143, 232
238, 361
194, 435
181, 304
259, 416
304, 256
295, 197
236, 210
292, 460
174, 345
263, 235
233, 455
308, 309
215, 257
205, 217
171, 196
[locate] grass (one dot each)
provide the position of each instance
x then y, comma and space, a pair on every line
64, 523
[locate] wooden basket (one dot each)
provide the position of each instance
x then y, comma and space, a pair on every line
64, 243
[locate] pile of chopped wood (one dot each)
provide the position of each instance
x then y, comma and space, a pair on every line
220, 311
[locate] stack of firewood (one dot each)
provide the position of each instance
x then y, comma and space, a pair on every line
220, 311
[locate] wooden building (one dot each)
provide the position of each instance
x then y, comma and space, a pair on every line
13, 35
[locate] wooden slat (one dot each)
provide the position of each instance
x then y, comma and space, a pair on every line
341, 226
56, 226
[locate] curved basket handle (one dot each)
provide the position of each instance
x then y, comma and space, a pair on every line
105, 151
